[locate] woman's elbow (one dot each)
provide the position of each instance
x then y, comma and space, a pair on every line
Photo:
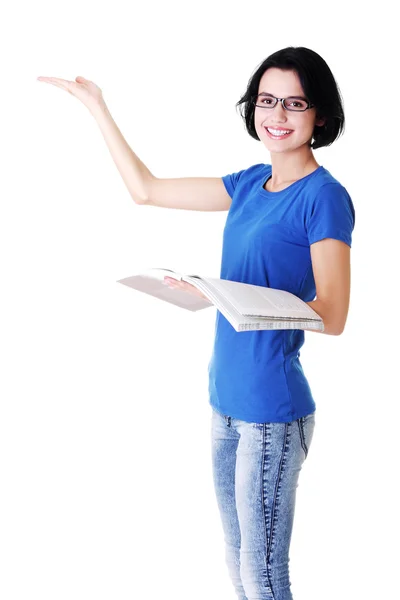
334, 326
338, 327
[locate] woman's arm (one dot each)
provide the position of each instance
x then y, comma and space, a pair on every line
190, 193
331, 268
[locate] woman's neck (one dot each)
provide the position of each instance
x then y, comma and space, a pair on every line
287, 167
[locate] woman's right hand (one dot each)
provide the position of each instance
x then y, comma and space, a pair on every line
185, 286
86, 91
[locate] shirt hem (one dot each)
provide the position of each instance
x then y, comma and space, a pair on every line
258, 419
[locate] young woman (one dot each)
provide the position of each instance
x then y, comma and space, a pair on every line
288, 227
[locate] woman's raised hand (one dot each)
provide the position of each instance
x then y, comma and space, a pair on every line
86, 91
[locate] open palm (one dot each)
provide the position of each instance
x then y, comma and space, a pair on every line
86, 91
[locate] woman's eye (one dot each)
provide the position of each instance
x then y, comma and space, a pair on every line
301, 104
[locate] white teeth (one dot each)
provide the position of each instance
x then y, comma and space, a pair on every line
277, 131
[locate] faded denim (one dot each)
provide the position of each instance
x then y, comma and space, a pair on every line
256, 468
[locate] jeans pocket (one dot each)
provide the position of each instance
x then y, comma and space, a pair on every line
306, 430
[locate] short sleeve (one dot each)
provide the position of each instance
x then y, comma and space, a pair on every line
332, 215
231, 181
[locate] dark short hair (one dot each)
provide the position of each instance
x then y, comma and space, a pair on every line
318, 84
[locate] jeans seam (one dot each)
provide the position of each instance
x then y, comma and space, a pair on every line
274, 503
302, 436
268, 540
276, 490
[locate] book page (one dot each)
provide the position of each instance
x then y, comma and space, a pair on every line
258, 301
160, 273
242, 323
154, 286
224, 296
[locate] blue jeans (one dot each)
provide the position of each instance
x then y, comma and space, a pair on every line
256, 467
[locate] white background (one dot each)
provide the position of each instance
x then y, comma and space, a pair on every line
105, 470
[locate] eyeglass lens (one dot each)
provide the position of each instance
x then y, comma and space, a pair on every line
291, 103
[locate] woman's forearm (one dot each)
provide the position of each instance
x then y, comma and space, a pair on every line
134, 173
331, 326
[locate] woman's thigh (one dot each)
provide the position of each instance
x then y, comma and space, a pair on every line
225, 440
256, 469
268, 463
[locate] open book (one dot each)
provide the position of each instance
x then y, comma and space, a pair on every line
246, 307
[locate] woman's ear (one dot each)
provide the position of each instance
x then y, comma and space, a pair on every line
320, 122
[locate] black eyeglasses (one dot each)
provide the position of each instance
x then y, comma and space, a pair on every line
294, 103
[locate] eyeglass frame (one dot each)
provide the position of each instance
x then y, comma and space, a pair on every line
281, 100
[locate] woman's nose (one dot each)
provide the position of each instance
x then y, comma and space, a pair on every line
278, 114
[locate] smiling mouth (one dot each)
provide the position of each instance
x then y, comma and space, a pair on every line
278, 133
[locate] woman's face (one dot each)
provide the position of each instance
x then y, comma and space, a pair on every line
282, 84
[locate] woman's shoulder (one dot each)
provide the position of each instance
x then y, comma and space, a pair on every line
325, 177
324, 184
246, 178
327, 191
252, 170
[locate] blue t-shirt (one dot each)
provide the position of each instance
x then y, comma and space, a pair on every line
256, 376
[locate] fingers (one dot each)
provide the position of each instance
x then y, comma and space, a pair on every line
172, 282
55, 80
183, 285
65, 84
84, 90
82, 79
60, 83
